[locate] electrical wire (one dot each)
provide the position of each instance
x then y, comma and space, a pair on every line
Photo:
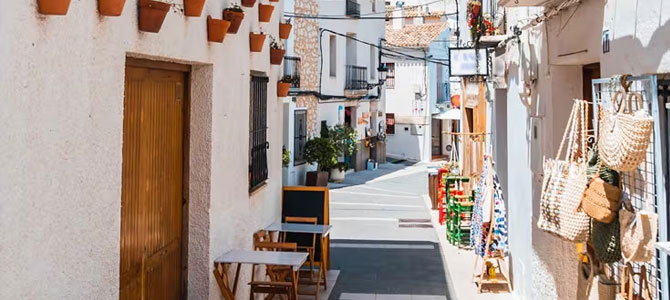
321, 17
376, 13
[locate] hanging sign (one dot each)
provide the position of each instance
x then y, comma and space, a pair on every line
468, 62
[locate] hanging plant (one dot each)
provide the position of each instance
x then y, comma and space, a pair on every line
284, 85
234, 14
475, 20
285, 29
276, 52
248, 3
256, 41
152, 13
265, 12
193, 8
111, 8
53, 7
216, 29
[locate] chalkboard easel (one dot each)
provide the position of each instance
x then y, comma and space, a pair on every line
308, 201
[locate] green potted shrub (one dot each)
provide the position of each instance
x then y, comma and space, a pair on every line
345, 139
285, 157
322, 151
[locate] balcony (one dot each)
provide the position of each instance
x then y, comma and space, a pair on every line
353, 9
292, 69
357, 78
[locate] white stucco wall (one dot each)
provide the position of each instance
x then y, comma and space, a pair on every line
62, 119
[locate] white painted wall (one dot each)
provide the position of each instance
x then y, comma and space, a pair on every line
62, 87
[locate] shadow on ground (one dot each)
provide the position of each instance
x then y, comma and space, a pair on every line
364, 176
395, 270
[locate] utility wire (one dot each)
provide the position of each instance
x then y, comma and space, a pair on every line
322, 17
376, 13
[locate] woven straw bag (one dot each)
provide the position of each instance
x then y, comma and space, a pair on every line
601, 200
564, 182
624, 136
628, 290
638, 231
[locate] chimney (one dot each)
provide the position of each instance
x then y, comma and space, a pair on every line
398, 20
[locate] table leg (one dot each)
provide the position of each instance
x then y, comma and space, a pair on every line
294, 279
237, 276
322, 266
222, 280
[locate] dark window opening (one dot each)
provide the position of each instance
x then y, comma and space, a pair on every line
258, 144
299, 136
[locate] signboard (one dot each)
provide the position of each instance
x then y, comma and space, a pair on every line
468, 62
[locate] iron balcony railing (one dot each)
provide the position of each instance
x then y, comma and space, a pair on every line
292, 69
357, 78
353, 8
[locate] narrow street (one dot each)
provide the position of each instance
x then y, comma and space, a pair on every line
383, 241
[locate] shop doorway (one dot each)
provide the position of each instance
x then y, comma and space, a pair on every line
436, 138
152, 183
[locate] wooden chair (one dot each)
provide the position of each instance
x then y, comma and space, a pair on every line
301, 237
281, 282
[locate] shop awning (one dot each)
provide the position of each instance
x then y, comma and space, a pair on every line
452, 114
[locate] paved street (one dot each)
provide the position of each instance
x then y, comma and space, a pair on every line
383, 241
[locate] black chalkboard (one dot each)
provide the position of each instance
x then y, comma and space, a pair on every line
306, 201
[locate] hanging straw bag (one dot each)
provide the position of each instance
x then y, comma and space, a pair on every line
628, 290
638, 228
601, 200
624, 136
564, 183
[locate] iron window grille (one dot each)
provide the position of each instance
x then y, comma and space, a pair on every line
390, 75
299, 136
258, 144
357, 78
353, 8
292, 69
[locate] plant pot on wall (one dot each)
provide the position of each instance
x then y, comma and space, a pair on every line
256, 41
282, 88
248, 3
276, 56
111, 8
193, 8
235, 18
216, 29
53, 7
284, 30
265, 12
152, 14
315, 178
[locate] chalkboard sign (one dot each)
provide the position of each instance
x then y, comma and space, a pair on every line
307, 201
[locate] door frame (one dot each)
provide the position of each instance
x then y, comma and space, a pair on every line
186, 70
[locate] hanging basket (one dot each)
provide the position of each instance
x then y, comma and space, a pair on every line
193, 8
256, 41
111, 8
216, 29
284, 30
265, 12
235, 18
276, 56
152, 14
282, 88
53, 7
248, 3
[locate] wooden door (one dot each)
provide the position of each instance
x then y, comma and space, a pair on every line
151, 196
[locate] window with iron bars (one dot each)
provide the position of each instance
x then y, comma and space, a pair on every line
299, 136
258, 144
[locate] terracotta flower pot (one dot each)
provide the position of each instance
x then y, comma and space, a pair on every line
235, 19
256, 41
152, 14
216, 29
276, 56
111, 8
248, 3
53, 7
265, 12
193, 8
282, 88
284, 30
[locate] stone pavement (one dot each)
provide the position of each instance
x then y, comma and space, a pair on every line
385, 244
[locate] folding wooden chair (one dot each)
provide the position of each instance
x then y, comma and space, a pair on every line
282, 279
300, 239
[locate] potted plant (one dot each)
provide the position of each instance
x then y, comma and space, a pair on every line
345, 139
193, 8
285, 157
322, 151
111, 8
216, 29
265, 12
152, 14
256, 41
248, 3
276, 52
284, 85
234, 14
53, 7
285, 29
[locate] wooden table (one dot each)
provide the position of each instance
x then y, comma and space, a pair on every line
291, 259
322, 230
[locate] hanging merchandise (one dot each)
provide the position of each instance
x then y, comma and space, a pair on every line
628, 289
601, 199
624, 134
489, 193
638, 229
565, 181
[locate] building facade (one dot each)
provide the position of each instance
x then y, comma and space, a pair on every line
93, 111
